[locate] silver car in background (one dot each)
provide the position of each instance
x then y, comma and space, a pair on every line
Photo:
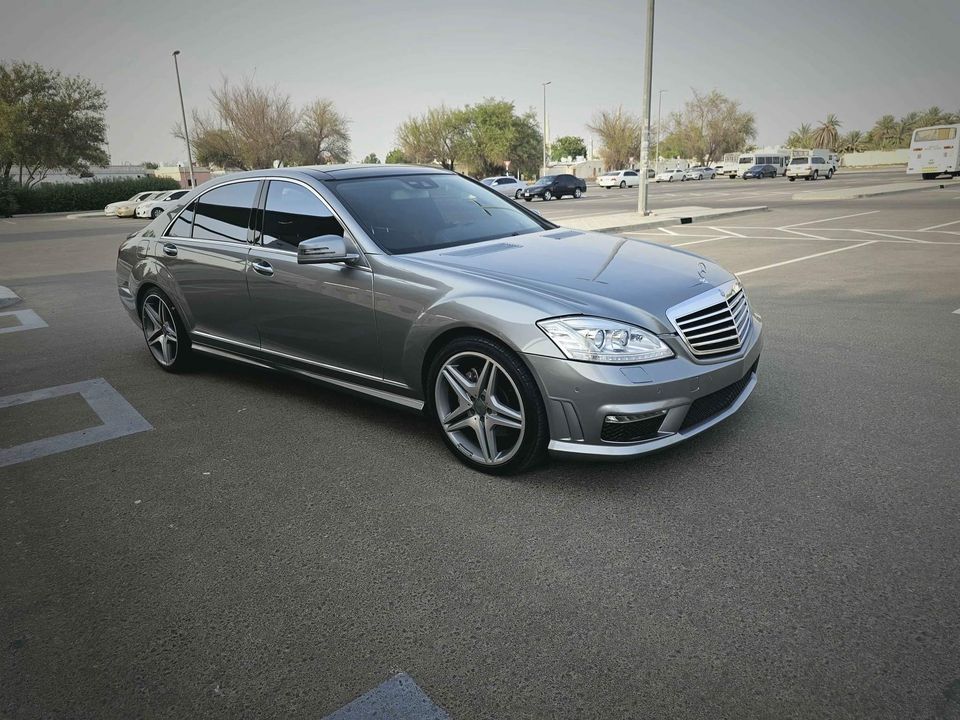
426, 289
506, 185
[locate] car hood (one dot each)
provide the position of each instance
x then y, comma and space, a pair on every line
593, 273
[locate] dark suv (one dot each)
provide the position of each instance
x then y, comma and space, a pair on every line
555, 186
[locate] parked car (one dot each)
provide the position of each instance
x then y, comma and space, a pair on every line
760, 171
506, 185
406, 284
126, 208
153, 208
619, 178
810, 167
699, 173
555, 186
671, 175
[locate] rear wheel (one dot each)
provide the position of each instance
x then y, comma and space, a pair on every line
166, 336
791, 179
577, 193
488, 406
829, 173
623, 184
929, 176
816, 174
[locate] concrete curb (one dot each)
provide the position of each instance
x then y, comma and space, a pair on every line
875, 191
8, 297
619, 223
74, 216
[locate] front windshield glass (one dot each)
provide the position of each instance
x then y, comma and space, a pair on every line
546, 180
413, 213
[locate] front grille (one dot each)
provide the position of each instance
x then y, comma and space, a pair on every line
719, 328
702, 409
635, 431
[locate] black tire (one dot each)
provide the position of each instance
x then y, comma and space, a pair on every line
929, 176
516, 195
816, 174
791, 179
536, 434
547, 195
155, 213
623, 184
670, 179
183, 357
829, 173
527, 199
577, 193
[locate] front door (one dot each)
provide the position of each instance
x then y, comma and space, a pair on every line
205, 250
322, 314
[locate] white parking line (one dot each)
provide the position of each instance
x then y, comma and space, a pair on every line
934, 227
956, 312
705, 240
728, 232
28, 320
888, 235
668, 232
801, 259
839, 217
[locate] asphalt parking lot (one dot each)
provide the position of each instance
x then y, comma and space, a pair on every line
254, 546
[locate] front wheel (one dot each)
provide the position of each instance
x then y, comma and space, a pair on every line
516, 195
829, 173
623, 184
670, 179
488, 406
548, 195
155, 213
166, 336
928, 176
816, 174
577, 194
791, 179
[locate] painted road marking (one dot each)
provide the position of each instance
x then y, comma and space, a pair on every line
398, 698
887, 235
28, 320
801, 259
705, 240
934, 227
668, 232
728, 232
839, 217
956, 312
118, 416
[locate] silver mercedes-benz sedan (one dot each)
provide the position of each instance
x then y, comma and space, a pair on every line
426, 289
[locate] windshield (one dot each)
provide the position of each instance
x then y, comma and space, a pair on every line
413, 213
800, 161
546, 180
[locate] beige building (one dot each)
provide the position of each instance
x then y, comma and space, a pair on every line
182, 174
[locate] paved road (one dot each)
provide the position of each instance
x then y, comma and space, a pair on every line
275, 549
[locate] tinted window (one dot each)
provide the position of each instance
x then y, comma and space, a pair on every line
224, 213
184, 223
508, 181
411, 213
630, 173
177, 195
818, 161
294, 214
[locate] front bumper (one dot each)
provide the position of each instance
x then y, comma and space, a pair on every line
579, 396
125, 211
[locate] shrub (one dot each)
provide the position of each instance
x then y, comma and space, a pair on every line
74, 197
8, 198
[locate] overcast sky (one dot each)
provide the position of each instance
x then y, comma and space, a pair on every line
787, 61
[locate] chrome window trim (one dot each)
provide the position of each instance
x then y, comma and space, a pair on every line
324, 366
165, 236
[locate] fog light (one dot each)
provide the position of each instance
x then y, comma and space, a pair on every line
621, 419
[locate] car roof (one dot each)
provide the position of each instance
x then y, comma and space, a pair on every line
337, 172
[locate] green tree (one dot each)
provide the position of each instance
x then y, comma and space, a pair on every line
710, 125
435, 136
396, 156
568, 146
149, 165
884, 134
620, 136
323, 134
802, 137
853, 141
49, 120
828, 134
372, 159
494, 133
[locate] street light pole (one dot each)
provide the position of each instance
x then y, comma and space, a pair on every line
183, 113
545, 123
647, 85
659, 104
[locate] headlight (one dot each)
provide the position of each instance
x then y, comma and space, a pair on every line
603, 341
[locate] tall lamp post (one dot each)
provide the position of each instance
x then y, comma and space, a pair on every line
545, 123
647, 84
183, 113
659, 104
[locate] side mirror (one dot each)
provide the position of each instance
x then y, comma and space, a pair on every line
324, 249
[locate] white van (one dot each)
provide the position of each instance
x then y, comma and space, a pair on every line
812, 164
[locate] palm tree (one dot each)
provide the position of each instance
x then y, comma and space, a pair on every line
828, 134
932, 116
904, 129
853, 141
883, 132
801, 137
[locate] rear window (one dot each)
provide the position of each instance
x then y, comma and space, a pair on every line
928, 134
746, 161
800, 161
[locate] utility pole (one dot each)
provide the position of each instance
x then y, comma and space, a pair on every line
545, 124
659, 104
647, 85
183, 113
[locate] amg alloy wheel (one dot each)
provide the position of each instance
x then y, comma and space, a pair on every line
488, 406
165, 335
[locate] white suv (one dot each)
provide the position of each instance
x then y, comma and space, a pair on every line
811, 167
619, 178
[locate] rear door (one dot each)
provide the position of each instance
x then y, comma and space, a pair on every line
321, 314
205, 251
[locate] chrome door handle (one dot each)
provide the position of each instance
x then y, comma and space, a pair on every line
170, 249
263, 267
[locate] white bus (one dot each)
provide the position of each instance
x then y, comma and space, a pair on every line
780, 159
728, 164
934, 151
